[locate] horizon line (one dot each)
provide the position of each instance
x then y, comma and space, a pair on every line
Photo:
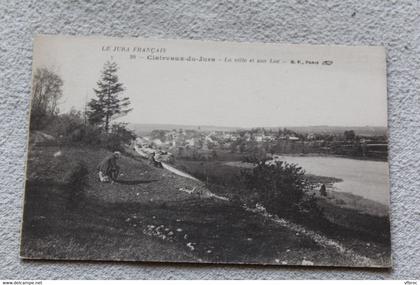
255, 127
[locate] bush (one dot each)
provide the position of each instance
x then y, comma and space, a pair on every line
63, 126
71, 129
76, 183
117, 138
78, 176
279, 186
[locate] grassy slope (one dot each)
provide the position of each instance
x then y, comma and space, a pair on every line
352, 220
145, 217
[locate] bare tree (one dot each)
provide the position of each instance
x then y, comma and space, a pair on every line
46, 91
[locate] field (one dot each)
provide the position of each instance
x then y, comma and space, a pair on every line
150, 214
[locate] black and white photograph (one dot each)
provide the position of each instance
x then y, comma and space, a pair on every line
207, 152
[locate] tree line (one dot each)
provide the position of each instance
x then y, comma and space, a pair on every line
96, 125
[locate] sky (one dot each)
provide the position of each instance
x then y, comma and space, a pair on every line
349, 92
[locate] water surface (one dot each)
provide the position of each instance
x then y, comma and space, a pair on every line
369, 179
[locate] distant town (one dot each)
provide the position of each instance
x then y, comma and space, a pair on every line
204, 144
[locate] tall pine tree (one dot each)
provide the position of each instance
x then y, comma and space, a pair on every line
108, 104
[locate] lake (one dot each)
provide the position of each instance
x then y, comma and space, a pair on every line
369, 179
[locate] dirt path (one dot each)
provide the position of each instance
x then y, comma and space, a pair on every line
178, 172
320, 239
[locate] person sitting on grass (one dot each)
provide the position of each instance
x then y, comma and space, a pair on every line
153, 162
108, 168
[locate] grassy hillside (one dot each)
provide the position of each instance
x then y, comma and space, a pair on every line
145, 216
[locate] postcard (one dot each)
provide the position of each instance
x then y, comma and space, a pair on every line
207, 152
